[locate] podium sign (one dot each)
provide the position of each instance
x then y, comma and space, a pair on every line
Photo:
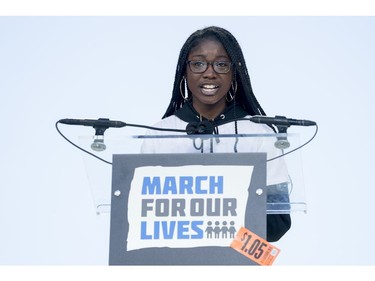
185, 209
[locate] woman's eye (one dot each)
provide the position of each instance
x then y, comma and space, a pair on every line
222, 64
198, 63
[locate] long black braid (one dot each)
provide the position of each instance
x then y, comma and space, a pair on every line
244, 96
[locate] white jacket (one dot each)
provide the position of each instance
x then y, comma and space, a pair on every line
251, 137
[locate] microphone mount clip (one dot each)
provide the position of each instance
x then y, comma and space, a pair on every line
98, 143
100, 128
282, 128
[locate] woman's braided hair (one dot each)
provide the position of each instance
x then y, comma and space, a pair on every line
244, 96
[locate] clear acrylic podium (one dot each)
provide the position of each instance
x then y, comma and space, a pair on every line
99, 173
112, 185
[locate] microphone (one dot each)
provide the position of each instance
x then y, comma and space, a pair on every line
100, 125
199, 128
101, 122
281, 121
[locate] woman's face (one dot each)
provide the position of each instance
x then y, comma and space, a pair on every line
209, 88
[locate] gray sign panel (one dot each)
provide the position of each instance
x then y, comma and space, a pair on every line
124, 166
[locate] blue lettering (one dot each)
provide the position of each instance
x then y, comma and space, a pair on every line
144, 235
168, 233
151, 187
186, 185
170, 229
198, 231
198, 185
183, 228
170, 185
219, 185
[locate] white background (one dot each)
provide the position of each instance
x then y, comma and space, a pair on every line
122, 68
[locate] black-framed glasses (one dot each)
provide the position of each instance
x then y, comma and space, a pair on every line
220, 67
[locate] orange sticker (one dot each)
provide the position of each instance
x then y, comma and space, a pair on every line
254, 247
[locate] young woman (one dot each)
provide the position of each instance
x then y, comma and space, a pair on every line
211, 91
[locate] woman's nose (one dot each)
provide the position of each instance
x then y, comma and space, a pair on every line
210, 71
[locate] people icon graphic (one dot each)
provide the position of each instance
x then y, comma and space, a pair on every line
224, 230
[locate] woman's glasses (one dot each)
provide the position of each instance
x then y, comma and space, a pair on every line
220, 67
